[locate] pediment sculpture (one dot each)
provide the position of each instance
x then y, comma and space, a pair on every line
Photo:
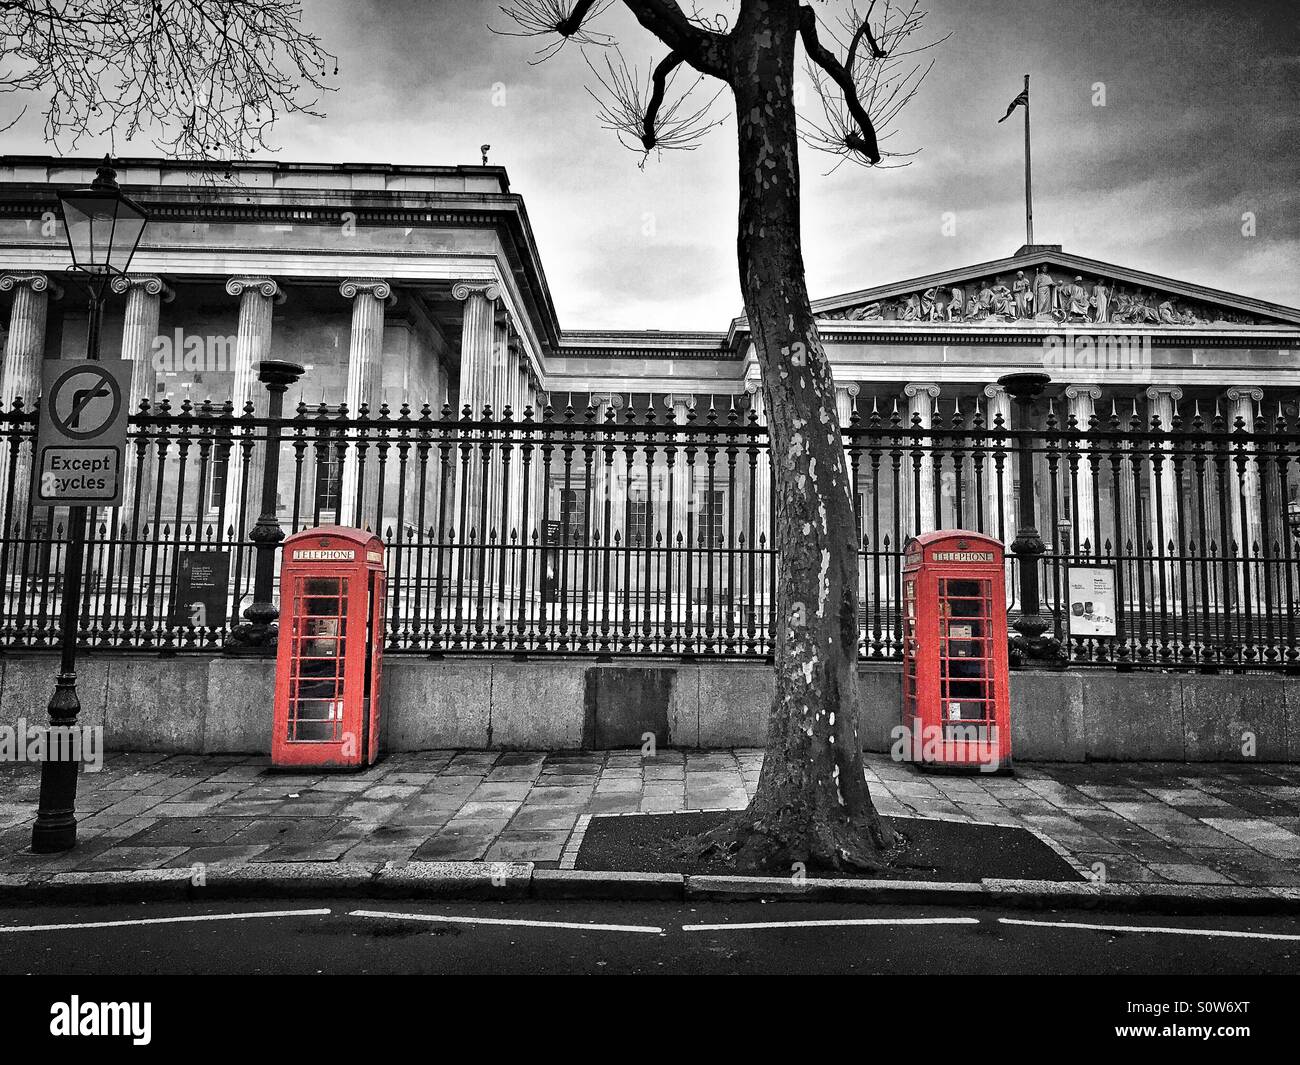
1041, 296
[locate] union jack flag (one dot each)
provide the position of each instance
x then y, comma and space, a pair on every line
1023, 98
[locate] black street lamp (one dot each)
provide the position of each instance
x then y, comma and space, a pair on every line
1028, 545
257, 634
103, 228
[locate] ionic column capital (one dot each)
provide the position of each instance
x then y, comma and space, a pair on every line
996, 391
37, 282
1237, 393
489, 290
918, 388
1171, 391
266, 286
1092, 392
148, 283
684, 398
352, 287
853, 388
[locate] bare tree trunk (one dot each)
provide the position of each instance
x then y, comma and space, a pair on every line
812, 803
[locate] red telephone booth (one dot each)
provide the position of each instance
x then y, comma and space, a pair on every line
956, 706
330, 649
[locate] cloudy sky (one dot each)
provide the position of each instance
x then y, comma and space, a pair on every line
1200, 125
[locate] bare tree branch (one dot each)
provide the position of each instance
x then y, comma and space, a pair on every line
666, 66
879, 83
205, 78
704, 48
863, 139
646, 115
864, 31
568, 19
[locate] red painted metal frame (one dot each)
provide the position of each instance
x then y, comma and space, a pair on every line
955, 645
347, 737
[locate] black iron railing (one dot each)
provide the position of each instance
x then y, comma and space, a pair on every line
631, 534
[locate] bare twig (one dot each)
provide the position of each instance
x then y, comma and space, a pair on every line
645, 113
206, 79
568, 20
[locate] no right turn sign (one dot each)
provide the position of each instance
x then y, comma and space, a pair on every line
81, 435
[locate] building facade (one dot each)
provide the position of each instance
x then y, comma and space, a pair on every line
590, 466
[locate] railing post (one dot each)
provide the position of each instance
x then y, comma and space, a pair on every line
1031, 640
256, 636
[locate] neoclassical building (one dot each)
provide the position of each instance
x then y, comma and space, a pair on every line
401, 286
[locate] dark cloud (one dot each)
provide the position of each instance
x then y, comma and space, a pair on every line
1199, 127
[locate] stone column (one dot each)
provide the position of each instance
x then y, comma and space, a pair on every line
257, 297
477, 347
1133, 539
498, 524
845, 396
1161, 400
20, 378
999, 407
1082, 400
144, 296
370, 296
477, 341
1244, 487
514, 399
920, 402
683, 491
25, 341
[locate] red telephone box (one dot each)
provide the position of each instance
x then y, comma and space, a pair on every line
956, 705
330, 649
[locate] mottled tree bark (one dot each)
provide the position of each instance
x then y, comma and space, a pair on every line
812, 803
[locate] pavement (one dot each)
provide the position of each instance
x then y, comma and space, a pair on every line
1142, 831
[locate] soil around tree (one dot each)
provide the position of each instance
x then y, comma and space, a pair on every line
937, 851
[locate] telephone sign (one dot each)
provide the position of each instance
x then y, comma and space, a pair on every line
81, 433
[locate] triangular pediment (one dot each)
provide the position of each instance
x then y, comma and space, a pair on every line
1044, 286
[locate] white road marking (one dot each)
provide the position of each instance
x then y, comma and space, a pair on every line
845, 923
1211, 932
447, 919
163, 920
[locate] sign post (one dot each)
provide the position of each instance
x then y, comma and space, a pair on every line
80, 445
80, 448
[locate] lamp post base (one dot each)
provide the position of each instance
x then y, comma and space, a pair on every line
55, 834
56, 817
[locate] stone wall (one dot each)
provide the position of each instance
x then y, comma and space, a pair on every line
214, 705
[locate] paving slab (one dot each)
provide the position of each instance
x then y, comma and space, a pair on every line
1169, 825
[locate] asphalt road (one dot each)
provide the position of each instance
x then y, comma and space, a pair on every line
372, 936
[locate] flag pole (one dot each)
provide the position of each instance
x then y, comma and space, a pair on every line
1029, 191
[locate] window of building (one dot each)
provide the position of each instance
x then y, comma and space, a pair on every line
638, 497
218, 475
713, 516
573, 513
329, 481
